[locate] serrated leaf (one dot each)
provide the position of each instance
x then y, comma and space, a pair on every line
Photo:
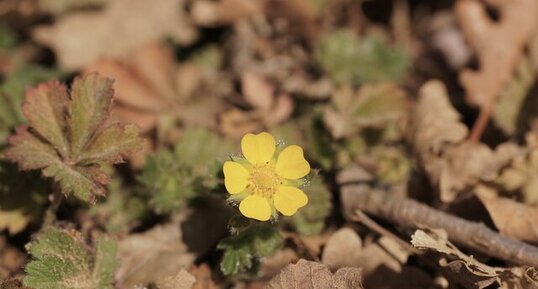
173, 177
89, 108
310, 220
348, 59
66, 137
243, 251
61, 261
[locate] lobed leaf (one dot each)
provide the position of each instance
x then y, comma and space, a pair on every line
67, 137
61, 261
243, 251
89, 108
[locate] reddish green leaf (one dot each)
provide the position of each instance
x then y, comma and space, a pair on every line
71, 149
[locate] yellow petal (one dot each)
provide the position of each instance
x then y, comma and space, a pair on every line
291, 163
255, 207
258, 148
289, 199
235, 177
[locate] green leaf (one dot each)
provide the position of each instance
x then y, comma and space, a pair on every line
89, 109
310, 220
243, 251
348, 59
192, 168
67, 138
61, 261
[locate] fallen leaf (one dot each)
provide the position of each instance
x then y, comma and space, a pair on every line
202, 274
342, 249
310, 275
512, 218
182, 280
83, 37
165, 249
469, 272
268, 107
223, 12
489, 39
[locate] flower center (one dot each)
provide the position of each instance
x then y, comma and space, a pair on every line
264, 181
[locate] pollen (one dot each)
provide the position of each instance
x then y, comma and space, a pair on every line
264, 180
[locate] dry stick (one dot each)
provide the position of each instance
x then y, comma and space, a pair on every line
410, 213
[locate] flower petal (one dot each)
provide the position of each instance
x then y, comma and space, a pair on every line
291, 163
289, 199
258, 148
255, 207
235, 177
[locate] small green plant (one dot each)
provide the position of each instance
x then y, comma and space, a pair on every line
191, 168
349, 59
243, 250
61, 260
68, 137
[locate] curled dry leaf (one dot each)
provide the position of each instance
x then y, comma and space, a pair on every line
437, 136
498, 44
268, 107
469, 272
512, 218
78, 38
312, 275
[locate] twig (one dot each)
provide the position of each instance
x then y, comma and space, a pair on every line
362, 218
410, 213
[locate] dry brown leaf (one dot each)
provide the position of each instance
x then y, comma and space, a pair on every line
268, 107
223, 12
152, 256
83, 37
202, 274
438, 137
435, 123
165, 249
512, 218
468, 271
498, 44
157, 94
182, 280
312, 275
448, 39
273, 264
342, 249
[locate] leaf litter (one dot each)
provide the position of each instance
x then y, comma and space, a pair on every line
419, 122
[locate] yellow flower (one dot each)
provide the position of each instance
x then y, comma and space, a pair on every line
266, 179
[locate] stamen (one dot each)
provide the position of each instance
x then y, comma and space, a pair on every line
264, 181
